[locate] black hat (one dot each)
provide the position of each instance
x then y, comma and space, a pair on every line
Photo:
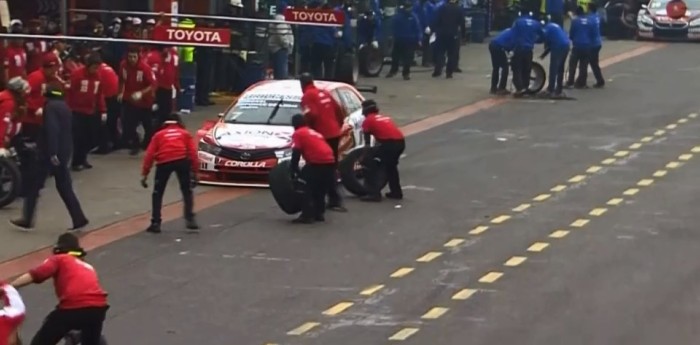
306, 79
298, 120
68, 244
369, 106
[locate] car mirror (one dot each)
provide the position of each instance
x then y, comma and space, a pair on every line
220, 115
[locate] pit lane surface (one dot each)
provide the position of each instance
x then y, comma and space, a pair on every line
532, 223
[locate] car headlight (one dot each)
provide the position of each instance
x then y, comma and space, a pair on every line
645, 19
283, 153
209, 148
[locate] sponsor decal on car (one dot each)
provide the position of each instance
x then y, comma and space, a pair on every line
243, 164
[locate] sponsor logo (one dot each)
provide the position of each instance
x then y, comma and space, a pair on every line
197, 35
305, 15
250, 165
245, 155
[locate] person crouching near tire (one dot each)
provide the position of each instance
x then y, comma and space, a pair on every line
174, 151
391, 144
318, 173
12, 106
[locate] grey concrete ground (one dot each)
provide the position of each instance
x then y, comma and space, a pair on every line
597, 196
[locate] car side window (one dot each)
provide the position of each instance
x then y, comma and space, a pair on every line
339, 98
353, 103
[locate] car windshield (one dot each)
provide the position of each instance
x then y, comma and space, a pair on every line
661, 4
269, 109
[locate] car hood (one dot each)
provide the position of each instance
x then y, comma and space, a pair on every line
252, 137
689, 14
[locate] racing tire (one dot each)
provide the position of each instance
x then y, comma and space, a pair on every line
346, 69
370, 61
10, 181
73, 338
351, 171
538, 77
287, 196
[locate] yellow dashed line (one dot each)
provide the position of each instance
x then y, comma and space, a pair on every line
579, 223
621, 153
338, 308
478, 230
597, 212
660, 173
659, 133
609, 161
402, 272
635, 146
559, 234
558, 188
521, 208
682, 120
692, 115
645, 182
500, 219
685, 157
647, 139
271, 344
463, 294
515, 261
403, 334
490, 277
577, 178
303, 328
371, 290
695, 149
594, 169
672, 126
454, 242
541, 197
434, 313
631, 191
538, 247
428, 257
673, 165
615, 201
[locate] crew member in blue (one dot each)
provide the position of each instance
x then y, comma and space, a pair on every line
526, 32
407, 37
369, 27
580, 34
594, 58
556, 42
344, 33
555, 11
323, 48
449, 26
498, 48
429, 9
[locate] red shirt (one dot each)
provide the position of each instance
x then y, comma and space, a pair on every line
322, 112
8, 126
167, 73
36, 49
137, 78
35, 100
85, 94
313, 147
110, 81
70, 66
381, 127
75, 281
15, 62
169, 144
12, 312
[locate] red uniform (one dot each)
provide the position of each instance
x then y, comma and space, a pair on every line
110, 81
167, 74
75, 281
137, 78
313, 146
36, 49
35, 100
322, 112
381, 127
12, 312
8, 126
15, 61
169, 144
70, 66
85, 95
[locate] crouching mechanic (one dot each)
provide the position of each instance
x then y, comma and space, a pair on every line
11, 314
556, 42
498, 48
174, 151
12, 107
318, 173
391, 144
82, 301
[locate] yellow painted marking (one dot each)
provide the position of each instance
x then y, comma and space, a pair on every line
338, 308
631, 191
647, 139
659, 133
271, 344
660, 173
401, 272
559, 234
672, 126
673, 165
594, 169
521, 208
685, 157
515, 261
428, 257
615, 201
454, 242
463, 294
541, 197
479, 229
371, 290
490, 277
645, 182
404, 334
609, 161
538, 247
695, 149
558, 188
635, 146
579, 223
621, 153
577, 178
682, 120
500, 219
434, 313
597, 212
303, 328
693, 115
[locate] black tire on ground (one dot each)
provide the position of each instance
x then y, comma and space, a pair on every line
288, 198
351, 171
346, 69
10, 181
370, 61
538, 77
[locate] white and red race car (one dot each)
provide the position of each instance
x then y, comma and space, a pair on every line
254, 134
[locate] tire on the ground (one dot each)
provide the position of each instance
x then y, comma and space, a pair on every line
288, 198
538, 77
351, 173
9, 169
346, 69
370, 61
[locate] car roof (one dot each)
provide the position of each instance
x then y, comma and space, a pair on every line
288, 87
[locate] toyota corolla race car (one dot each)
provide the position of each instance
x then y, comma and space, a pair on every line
654, 23
254, 134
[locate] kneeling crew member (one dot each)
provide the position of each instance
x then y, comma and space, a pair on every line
174, 151
391, 146
12, 107
498, 48
319, 171
556, 42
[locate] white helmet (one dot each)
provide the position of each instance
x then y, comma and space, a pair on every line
18, 85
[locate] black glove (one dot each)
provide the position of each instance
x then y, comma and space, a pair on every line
144, 184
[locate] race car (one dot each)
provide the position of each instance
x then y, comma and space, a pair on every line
254, 134
654, 23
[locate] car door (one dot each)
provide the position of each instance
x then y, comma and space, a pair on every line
353, 105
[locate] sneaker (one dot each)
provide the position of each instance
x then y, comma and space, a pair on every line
406, 77
87, 165
390, 74
154, 229
77, 168
79, 226
21, 225
192, 226
502, 92
599, 85
338, 208
320, 218
134, 152
303, 220
395, 196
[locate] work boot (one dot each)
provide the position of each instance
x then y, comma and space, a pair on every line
87, 165
320, 218
192, 226
79, 226
599, 85
154, 228
502, 92
406, 77
303, 220
371, 198
395, 196
22, 225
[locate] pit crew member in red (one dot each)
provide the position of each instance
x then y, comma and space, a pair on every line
86, 100
12, 105
318, 172
174, 151
390, 145
11, 315
165, 64
110, 138
38, 81
82, 301
15, 60
324, 115
36, 48
137, 85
